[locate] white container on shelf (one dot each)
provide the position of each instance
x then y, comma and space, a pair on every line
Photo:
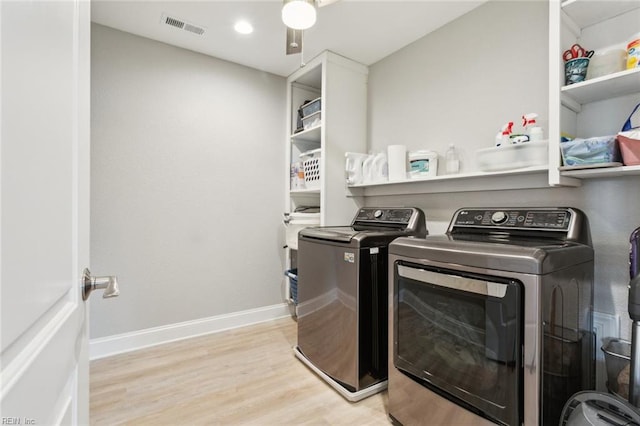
452, 160
423, 163
297, 176
607, 61
311, 107
353, 168
633, 52
397, 157
312, 120
380, 168
510, 157
375, 169
311, 167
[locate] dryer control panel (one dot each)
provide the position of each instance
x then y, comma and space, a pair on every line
385, 215
551, 219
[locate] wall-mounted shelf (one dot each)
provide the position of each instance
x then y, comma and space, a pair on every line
603, 172
525, 178
585, 13
597, 89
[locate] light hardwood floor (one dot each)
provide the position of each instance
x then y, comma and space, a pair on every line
246, 376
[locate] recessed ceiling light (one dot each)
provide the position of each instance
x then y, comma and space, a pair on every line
243, 27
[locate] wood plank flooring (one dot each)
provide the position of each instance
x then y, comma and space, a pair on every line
245, 376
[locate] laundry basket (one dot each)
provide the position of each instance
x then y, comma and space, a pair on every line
293, 284
311, 164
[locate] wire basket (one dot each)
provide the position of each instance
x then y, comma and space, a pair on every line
617, 359
293, 284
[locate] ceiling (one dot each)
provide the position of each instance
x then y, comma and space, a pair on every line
365, 31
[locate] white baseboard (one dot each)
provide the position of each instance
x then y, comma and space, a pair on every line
112, 345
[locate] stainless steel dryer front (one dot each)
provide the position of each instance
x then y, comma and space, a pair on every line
491, 322
342, 297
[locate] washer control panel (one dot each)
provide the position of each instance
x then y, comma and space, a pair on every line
554, 219
384, 215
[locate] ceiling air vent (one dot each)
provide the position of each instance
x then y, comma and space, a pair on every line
183, 25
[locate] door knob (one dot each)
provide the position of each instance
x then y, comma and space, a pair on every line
108, 284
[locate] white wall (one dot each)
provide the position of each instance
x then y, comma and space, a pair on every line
459, 85
186, 205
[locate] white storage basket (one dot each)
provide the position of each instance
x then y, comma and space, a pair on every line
311, 163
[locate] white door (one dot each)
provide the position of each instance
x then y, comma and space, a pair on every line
44, 211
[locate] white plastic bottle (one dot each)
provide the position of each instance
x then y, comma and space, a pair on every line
531, 128
535, 134
451, 160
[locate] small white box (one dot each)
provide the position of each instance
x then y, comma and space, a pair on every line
606, 62
423, 164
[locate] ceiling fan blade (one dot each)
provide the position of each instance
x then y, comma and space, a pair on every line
294, 41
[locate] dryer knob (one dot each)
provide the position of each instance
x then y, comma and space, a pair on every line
499, 218
377, 214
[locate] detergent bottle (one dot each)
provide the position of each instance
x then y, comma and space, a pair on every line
367, 169
380, 168
354, 167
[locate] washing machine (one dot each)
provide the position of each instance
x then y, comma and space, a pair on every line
343, 297
491, 323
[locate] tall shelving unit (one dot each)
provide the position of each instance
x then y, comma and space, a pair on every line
342, 86
594, 107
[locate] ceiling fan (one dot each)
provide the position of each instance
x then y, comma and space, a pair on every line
299, 15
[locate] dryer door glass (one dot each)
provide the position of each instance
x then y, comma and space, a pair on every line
460, 335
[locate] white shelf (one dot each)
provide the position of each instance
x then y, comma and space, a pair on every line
310, 135
591, 105
588, 12
603, 172
608, 86
295, 192
525, 178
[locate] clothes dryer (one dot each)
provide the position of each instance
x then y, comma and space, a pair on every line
492, 322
